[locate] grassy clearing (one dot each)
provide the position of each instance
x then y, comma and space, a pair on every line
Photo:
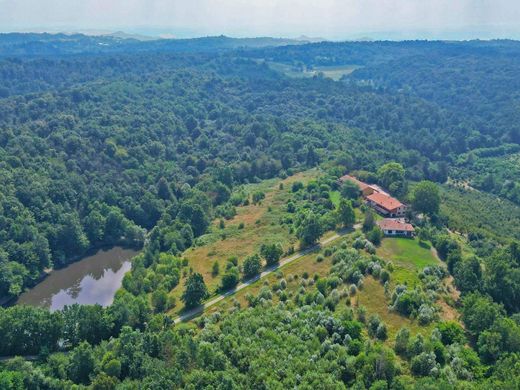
261, 224
292, 273
333, 72
408, 256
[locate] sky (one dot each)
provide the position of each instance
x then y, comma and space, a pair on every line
330, 19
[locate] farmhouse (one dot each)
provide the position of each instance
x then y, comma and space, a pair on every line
366, 189
396, 227
377, 198
386, 205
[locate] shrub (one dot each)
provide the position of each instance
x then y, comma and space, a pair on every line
375, 235
271, 253
370, 248
296, 186
373, 323
423, 364
426, 314
230, 279
384, 276
215, 269
401, 341
362, 314
258, 197
359, 243
251, 266
451, 332
381, 332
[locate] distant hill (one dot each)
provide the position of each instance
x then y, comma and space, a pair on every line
137, 37
45, 44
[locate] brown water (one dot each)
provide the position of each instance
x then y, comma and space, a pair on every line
93, 279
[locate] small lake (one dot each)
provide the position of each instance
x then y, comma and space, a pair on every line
93, 279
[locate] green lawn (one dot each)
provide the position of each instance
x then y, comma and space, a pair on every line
408, 257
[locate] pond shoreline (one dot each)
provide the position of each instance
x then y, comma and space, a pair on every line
90, 279
11, 301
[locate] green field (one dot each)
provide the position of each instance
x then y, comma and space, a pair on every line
372, 296
333, 72
408, 257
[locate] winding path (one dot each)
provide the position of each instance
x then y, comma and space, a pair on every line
269, 270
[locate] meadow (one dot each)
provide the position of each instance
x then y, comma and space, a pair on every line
334, 72
253, 225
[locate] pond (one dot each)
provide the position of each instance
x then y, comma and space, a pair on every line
93, 279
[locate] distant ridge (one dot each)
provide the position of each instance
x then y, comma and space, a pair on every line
44, 44
137, 37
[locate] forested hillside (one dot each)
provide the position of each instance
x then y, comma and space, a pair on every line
130, 140
173, 147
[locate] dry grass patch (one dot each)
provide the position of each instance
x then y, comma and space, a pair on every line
292, 273
261, 224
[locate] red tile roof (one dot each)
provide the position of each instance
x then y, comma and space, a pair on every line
384, 201
362, 186
395, 224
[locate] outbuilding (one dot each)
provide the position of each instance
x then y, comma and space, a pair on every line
396, 227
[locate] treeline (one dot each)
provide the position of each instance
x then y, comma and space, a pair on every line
28, 330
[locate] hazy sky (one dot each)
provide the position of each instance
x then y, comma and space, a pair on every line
333, 19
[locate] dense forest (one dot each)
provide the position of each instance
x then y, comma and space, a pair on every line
145, 144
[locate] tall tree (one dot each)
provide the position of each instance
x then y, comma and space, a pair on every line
310, 230
195, 291
346, 215
350, 190
426, 198
391, 176
271, 253
81, 363
251, 266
